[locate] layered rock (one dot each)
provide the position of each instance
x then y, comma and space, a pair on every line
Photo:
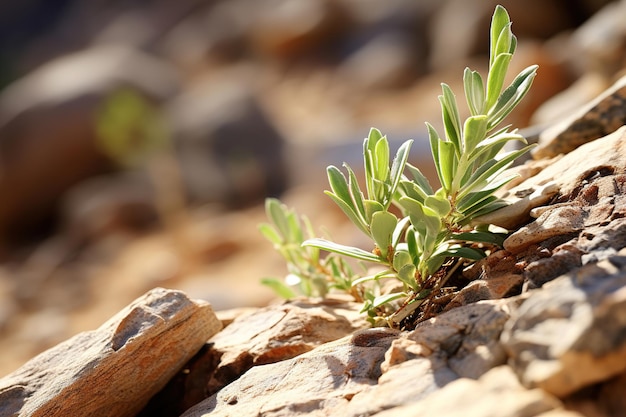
116, 369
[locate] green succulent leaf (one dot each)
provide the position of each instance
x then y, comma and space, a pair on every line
387, 298
339, 185
478, 237
495, 79
349, 212
474, 91
420, 180
440, 205
463, 252
479, 180
506, 41
401, 258
447, 163
451, 119
383, 274
397, 167
513, 94
270, 233
474, 131
499, 22
350, 251
277, 215
406, 274
493, 205
491, 146
398, 232
372, 207
383, 226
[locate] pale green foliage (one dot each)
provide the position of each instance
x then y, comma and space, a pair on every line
308, 274
130, 128
433, 230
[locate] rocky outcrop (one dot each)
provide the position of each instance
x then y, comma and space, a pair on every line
116, 369
534, 329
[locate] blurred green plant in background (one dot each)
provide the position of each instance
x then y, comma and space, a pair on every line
132, 131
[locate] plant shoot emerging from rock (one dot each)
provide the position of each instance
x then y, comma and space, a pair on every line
434, 231
310, 273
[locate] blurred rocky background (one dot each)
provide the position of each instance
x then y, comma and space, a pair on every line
138, 139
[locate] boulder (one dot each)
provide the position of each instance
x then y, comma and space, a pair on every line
116, 369
497, 393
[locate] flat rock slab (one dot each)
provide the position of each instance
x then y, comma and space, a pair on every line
497, 393
315, 383
278, 332
116, 369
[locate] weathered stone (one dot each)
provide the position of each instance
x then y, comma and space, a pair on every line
394, 53
557, 221
288, 29
496, 394
319, 382
560, 413
460, 343
603, 399
114, 370
521, 201
563, 177
571, 333
570, 101
560, 260
280, 332
599, 118
488, 288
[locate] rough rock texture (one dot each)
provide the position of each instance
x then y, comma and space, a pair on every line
496, 393
600, 117
256, 337
571, 333
325, 378
114, 370
280, 332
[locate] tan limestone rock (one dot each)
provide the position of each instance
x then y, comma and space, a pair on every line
569, 334
114, 370
496, 394
280, 332
463, 342
554, 222
326, 378
561, 178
